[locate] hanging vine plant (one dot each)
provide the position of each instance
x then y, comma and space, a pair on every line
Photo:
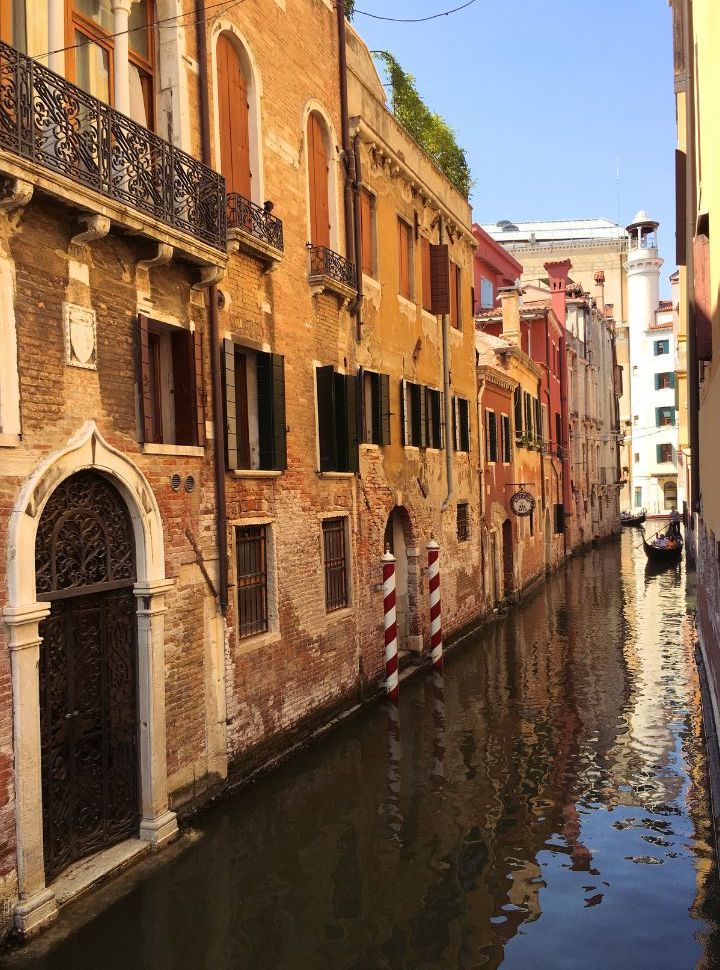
431, 131
349, 9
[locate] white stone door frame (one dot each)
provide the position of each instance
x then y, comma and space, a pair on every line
86, 450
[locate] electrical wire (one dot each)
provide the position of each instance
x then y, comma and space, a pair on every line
153, 23
415, 20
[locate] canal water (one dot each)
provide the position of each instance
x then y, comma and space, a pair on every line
544, 805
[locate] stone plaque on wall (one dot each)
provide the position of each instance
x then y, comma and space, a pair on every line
80, 336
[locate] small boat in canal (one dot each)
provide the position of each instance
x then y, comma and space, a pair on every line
633, 518
663, 548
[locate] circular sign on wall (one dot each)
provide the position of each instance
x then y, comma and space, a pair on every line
522, 503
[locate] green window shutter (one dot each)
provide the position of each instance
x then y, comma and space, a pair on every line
658, 453
325, 382
422, 415
492, 436
384, 409
231, 443
672, 379
463, 425
352, 423
657, 382
658, 412
404, 431
145, 379
441, 420
375, 405
271, 411
518, 412
455, 424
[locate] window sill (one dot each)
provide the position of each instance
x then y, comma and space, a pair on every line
9, 440
336, 475
186, 451
370, 446
256, 642
255, 473
407, 301
342, 614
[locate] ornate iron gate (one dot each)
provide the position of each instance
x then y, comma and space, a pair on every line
84, 559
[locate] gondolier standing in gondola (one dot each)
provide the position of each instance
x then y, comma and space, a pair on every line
674, 529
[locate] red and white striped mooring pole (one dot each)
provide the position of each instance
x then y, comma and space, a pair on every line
436, 649
391, 642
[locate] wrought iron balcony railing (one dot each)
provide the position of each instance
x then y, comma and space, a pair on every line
325, 262
255, 220
49, 121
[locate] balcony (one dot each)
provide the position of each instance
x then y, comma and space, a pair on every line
254, 229
75, 147
331, 271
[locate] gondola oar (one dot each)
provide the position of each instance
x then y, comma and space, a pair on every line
644, 540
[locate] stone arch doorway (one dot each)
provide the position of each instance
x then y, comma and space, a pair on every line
85, 570
399, 540
23, 614
508, 559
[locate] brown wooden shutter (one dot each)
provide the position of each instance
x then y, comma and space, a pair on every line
403, 258
680, 208
182, 345
426, 287
234, 113
366, 231
384, 409
439, 279
454, 317
145, 388
703, 297
319, 186
242, 416
197, 389
231, 444
325, 383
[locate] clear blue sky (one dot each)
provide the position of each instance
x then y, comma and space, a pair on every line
544, 97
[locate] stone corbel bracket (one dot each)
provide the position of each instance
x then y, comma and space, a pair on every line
209, 275
162, 256
97, 228
15, 194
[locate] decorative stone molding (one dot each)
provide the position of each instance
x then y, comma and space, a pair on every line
80, 336
163, 255
16, 193
97, 228
209, 275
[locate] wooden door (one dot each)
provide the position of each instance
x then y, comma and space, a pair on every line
318, 173
234, 113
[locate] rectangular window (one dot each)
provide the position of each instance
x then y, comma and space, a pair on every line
433, 418
664, 416
463, 522
170, 366
506, 445
252, 579
455, 296
426, 279
376, 408
412, 405
254, 389
491, 444
558, 434
367, 225
337, 414
487, 294
461, 424
664, 453
334, 555
517, 401
663, 381
661, 347
638, 498
405, 250
559, 518
637, 456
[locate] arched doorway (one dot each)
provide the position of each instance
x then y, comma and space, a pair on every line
508, 566
669, 495
398, 539
85, 569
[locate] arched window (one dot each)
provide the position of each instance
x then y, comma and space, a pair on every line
319, 179
670, 495
234, 118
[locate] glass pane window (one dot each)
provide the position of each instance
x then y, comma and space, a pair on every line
252, 579
487, 294
137, 25
99, 11
92, 67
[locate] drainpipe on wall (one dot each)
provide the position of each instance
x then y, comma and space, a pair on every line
347, 148
357, 182
217, 399
446, 390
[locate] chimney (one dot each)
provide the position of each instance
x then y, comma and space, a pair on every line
509, 297
600, 284
558, 273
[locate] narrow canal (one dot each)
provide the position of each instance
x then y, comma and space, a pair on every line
545, 807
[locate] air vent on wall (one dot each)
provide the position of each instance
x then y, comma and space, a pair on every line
189, 483
175, 482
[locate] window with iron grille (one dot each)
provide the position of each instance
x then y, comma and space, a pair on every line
252, 579
336, 580
463, 522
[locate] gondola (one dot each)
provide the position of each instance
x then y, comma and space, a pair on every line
627, 518
658, 555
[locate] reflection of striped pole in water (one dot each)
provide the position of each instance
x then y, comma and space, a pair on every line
436, 650
393, 812
391, 645
438, 691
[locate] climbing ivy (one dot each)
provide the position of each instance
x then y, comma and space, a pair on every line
431, 131
349, 9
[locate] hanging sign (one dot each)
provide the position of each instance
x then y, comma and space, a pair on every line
522, 503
